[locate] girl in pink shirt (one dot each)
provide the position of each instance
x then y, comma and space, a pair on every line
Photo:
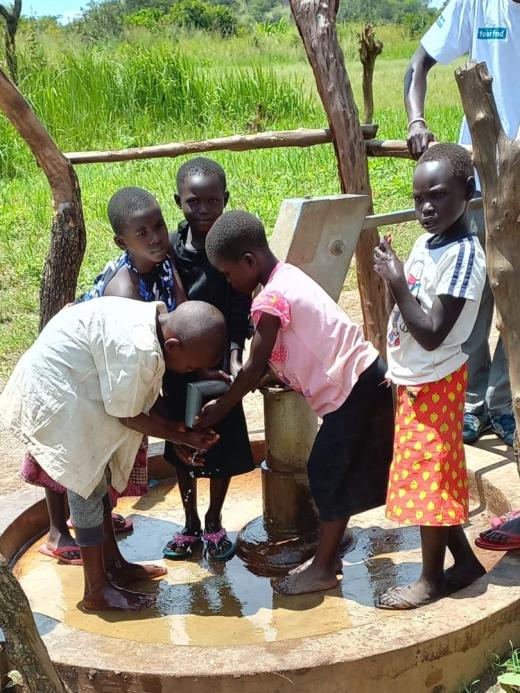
312, 346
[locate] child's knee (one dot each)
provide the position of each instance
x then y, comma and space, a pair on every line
87, 515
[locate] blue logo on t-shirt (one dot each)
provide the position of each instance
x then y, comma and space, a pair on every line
440, 21
492, 33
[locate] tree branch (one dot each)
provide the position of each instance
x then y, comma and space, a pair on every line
315, 20
476, 92
68, 238
25, 649
50, 159
498, 162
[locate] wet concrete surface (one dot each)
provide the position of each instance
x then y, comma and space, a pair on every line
210, 604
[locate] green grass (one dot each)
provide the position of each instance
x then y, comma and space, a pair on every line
149, 90
502, 675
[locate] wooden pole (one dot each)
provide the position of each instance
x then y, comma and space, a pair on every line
25, 649
497, 159
303, 137
369, 49
316, 22
273, 139
11, 19
68, 237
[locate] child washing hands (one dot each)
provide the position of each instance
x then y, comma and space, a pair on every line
311, 345
437, 295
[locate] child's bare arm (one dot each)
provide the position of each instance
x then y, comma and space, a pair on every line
248, 377
123, 286
429, 329
175, 431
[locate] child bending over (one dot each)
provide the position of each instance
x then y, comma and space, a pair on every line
311, 345
145, 271
81, 398
437, 295
202, 195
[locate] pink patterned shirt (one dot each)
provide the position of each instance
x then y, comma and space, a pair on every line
319, 351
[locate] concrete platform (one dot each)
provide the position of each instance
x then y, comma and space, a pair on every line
218, 628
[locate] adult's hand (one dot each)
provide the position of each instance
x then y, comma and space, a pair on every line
419, 138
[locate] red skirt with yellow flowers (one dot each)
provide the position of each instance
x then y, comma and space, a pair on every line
428, 482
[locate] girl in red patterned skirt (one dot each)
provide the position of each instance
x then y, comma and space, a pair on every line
437, 295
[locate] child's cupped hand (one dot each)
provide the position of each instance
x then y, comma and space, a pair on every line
386, 262
210, 414
189, 456
200, 440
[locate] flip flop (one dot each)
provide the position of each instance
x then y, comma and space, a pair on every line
497, 522
122, 525
60, 552
185, 542
494, 546
400, 602
214, 542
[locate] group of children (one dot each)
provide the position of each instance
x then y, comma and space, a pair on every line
103, 374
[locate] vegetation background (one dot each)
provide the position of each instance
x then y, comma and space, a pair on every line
140, 72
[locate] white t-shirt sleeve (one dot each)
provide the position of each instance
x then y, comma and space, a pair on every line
450, 36
462, 271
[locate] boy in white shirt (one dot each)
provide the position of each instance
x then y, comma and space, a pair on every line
489, 31
81, 399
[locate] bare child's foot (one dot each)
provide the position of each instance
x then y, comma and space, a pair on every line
411, 596
306, 579
300, 568
458, 577
112, 598
123, 573
346, 541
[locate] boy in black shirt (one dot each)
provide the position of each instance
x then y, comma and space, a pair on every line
202, 195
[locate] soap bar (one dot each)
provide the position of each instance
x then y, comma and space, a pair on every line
199, 393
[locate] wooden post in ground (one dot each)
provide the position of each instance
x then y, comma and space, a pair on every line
316, 22
11, 18
497, 159
25, 649
369, 49
68, 237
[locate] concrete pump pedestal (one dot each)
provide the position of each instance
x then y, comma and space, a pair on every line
217, 627
285, 534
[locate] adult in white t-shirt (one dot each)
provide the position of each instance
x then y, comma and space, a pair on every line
489, 31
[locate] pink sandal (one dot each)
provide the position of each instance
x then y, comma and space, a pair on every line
182, 546
218, 545
60, 554
497, 522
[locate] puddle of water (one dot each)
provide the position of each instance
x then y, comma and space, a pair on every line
204, 604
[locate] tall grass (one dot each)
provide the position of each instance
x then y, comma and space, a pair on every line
137, 95
153, 89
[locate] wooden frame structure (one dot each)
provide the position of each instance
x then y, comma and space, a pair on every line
315, 20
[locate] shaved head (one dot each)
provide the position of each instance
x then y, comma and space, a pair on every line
199, 329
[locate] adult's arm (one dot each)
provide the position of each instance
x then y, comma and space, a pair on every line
415, 86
